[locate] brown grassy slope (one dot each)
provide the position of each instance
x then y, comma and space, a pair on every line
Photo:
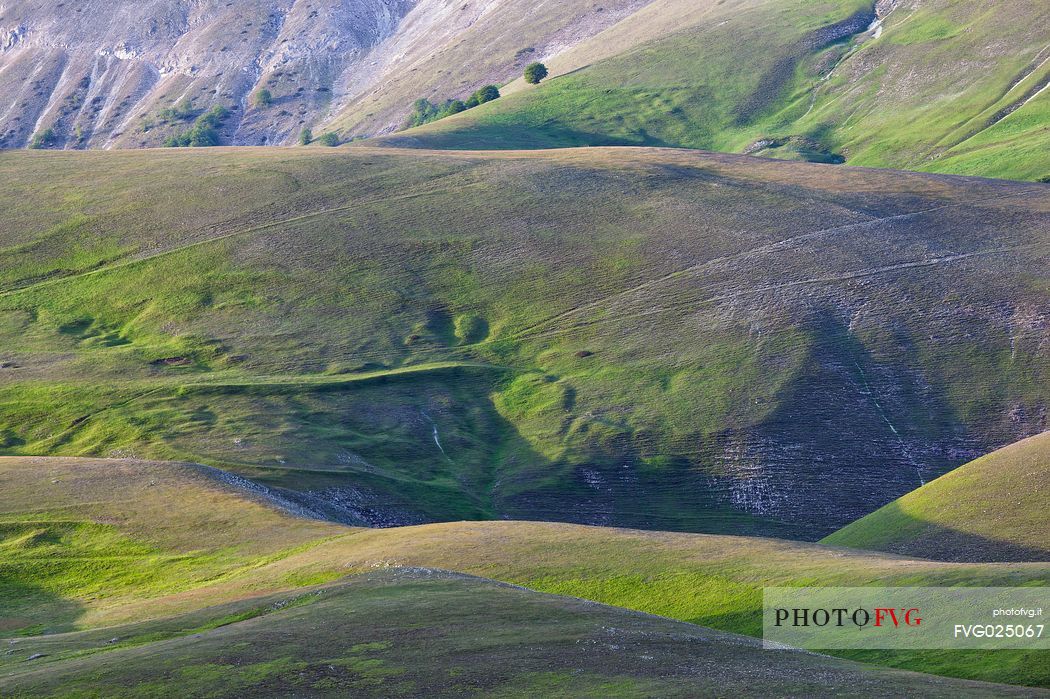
80, 536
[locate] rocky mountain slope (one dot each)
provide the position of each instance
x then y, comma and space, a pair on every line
101, 74
869, 83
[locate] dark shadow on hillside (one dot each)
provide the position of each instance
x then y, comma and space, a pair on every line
31, 610
394, 450
849, 435
778, 77
368, 454
481, 136
924, 539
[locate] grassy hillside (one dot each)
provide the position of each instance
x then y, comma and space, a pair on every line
710, 580
440, 52
635, 337
992, 509
797, 80
412, 632
125, 542
683, 73
79, 537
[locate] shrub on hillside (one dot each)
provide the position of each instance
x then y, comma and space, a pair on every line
535, 72
485, 94
44, 139
214, 116
263, 98
306, 137
180, 111
424, 111
204, 133
329, 139
452, 107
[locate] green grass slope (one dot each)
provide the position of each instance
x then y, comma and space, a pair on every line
412, 632
710, 580
79, 538
129, 543
611, 336
439, 52
795, 80
992, 509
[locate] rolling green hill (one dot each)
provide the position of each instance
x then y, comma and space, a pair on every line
420, 632
799, 80
88, 545
992, 509
415, 632
533, 400
80, 539
653, 338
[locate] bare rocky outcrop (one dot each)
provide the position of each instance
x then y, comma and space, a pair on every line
355, 506
101, 73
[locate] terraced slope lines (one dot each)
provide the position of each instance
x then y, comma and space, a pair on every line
651, 338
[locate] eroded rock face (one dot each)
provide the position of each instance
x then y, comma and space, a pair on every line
100, 73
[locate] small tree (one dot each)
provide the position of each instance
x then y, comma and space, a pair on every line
422, 112
535, 72
452, 107
306, 137
485, 94
329, 139
263, 98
